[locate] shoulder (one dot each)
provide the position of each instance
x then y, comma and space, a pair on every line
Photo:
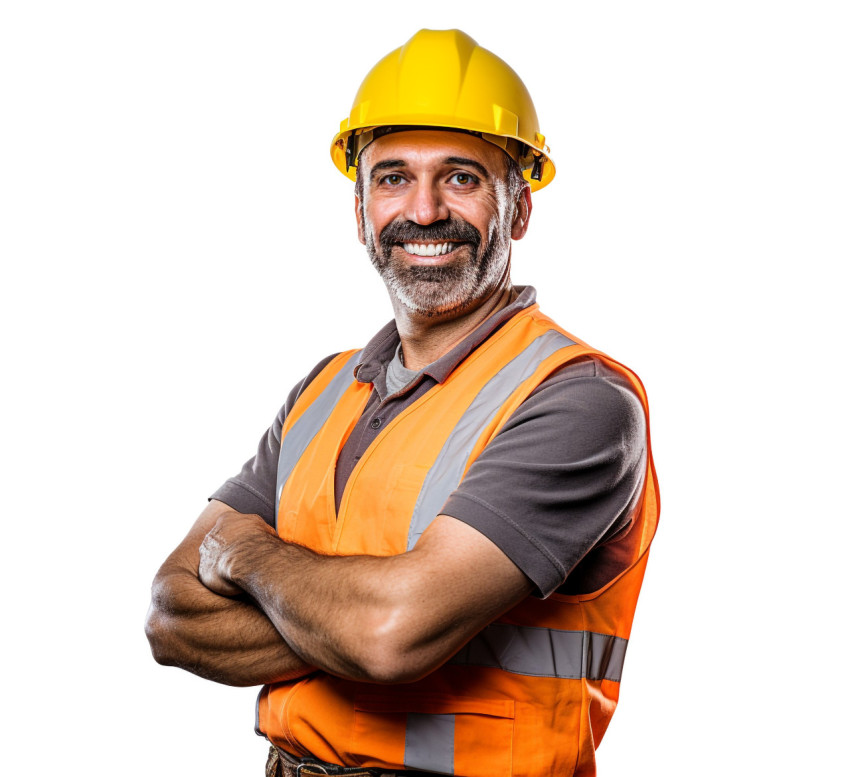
594, 401
561, 475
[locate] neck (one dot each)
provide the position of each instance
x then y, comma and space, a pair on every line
424, 339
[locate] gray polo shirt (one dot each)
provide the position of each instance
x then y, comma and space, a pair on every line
555, 490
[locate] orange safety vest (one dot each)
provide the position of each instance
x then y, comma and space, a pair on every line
532, 694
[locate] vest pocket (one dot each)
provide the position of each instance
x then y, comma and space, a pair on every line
443, 734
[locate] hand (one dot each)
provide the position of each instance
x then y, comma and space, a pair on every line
218, 547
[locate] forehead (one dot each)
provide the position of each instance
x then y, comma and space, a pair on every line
432, 147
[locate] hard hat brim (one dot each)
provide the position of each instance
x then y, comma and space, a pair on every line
547, 167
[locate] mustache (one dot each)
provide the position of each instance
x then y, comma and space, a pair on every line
451, 230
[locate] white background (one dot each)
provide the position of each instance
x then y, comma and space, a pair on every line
177, 250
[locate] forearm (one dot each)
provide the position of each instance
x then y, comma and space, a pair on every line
381, 619
216, 637
335, 611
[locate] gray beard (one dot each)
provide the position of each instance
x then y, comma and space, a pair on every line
432, 291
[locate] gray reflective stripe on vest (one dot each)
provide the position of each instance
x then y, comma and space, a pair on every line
541, 652
429, 743
303, 431
257, 714
528, 650
445, 475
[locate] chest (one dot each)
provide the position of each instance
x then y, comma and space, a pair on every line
413, 461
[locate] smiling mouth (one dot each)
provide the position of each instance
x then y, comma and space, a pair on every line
429, 249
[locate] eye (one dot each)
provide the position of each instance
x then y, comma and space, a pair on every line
393, 179
463, 179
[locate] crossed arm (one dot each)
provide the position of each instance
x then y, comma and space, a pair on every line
236, 604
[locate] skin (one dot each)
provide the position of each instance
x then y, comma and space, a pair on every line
221, 638
426, 188
236, 604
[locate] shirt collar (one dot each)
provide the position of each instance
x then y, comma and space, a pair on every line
378, 353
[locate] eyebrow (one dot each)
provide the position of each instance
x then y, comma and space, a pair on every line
459, 160
451, 160
387, 163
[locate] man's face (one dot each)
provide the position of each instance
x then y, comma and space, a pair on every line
436, 218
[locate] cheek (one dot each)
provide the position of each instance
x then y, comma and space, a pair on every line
482, 213
376, 216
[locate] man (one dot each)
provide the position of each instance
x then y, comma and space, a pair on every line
433, 560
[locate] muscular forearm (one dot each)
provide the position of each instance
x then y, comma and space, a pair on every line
336, 611
216, 637
381, 619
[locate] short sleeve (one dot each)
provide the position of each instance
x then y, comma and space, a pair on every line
562, 478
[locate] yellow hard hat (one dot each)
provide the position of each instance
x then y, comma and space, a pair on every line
443, 78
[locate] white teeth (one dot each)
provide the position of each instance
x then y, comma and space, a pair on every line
428, 249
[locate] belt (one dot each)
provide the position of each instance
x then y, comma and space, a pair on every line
282, 764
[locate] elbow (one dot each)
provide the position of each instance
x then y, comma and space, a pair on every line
159, 637
391, 652
160, 626
394, 669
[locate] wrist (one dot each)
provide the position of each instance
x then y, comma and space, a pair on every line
247, 554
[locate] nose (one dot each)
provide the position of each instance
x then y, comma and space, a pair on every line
426, 204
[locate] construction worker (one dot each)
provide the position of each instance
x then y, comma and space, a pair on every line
432, 562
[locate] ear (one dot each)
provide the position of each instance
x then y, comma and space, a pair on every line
523, 214
358, 214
